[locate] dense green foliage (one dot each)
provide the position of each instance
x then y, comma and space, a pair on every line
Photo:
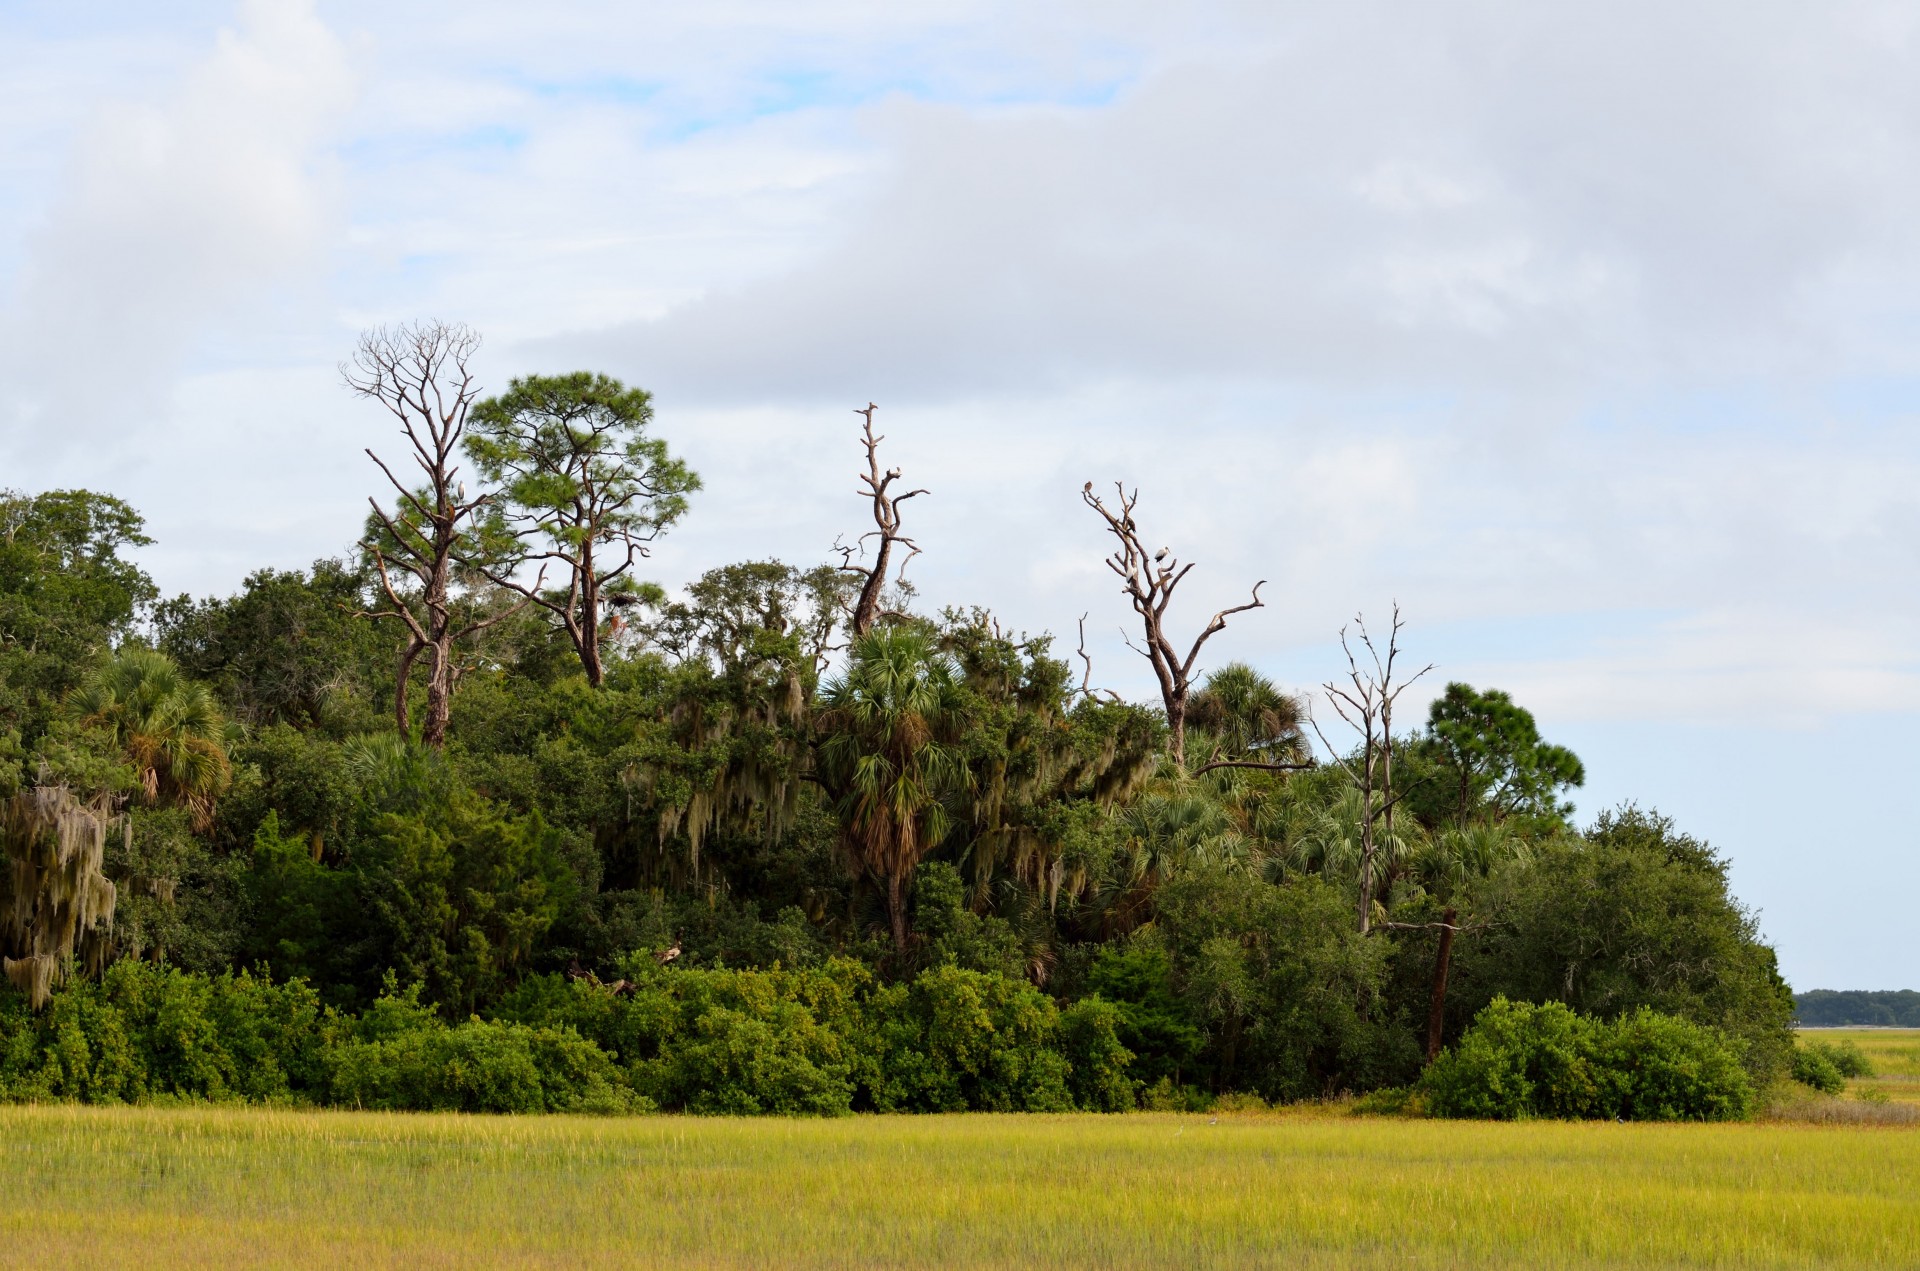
712, 851
1521, 1060
824, 1041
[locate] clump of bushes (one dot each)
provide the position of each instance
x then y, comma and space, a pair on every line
1826, 1065
1814, 1067
399, 1055
143, 1032
830, 1039
822, 1040
1522, 1060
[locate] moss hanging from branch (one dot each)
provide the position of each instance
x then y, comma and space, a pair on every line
56, 906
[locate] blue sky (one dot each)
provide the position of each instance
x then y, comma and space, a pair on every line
1586, 332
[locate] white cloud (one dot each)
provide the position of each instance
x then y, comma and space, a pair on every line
172, 215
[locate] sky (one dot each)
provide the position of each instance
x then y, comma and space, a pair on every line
1587, 333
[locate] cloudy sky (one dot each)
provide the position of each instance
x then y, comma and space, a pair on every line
1588, 332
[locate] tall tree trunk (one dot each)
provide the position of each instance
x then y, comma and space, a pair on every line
402, 715
587, 642
897, 910
590, 658
1177, 728
1437, 1006
433, 730
1366, 837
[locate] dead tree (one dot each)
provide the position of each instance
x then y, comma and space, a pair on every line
1149, 582
1366, 704
421, 374
886, 520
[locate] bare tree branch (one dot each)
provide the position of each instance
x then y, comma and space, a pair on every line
420, 374
887, 522
1149, 582
1367, 708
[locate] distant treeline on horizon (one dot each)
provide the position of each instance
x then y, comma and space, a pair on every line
1838, 1008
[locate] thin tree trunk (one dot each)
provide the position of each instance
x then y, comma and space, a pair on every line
1366, 836
402, 715
1437, 1007
1177, 728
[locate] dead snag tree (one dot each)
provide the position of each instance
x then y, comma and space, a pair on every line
1149, 582
421, 374
1366, 704
886, 521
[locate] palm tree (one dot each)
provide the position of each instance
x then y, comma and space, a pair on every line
168, 726
889, 758
1326, 840
1247, 717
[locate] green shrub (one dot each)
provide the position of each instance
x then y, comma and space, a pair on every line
1846, 1057
1656, 1067
1089, 1037
402, 1057
955, 1040
1814, 1066
734, 1063
1516, 1060
144, 1031
1522, 1060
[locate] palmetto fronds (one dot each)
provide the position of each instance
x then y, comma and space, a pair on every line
1244, 715
890, 722
1454, 859
169, 727
1327, 840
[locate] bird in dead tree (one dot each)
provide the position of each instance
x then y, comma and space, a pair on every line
665, 956
1087, 489
1161, 554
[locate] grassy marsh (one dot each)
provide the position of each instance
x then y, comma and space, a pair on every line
156, 1187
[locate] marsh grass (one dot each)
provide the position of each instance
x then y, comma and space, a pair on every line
149, 1187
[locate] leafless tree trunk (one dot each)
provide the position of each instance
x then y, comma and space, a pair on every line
886, 520
1437, 1001
1149, 582
1366, 703
421, 374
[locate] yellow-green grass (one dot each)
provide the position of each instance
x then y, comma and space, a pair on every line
155, 1187
1894, 1052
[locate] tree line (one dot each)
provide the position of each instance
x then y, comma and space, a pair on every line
479, 763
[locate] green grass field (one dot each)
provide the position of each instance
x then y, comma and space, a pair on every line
1895, 1053
156, 1187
